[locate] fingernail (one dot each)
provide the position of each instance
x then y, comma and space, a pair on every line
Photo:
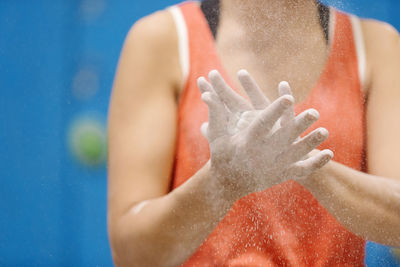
320, 137
200, 80
287, 101
322, 133
312, 114
242, 72
283, 84
213, 73
327, 157
330, 153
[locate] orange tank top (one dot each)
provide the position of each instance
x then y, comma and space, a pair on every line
283, 225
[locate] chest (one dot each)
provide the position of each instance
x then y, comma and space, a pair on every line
326, 80
301, 64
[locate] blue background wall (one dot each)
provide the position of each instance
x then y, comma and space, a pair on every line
53, 209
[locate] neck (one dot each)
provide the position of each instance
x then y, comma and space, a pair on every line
271, 12
261, 24
265, 22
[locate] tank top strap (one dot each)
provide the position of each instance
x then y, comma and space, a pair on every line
202, 53
192, 148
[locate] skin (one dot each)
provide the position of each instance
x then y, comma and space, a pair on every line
141, 159
265, 134
368, 204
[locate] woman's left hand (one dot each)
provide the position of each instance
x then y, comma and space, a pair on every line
242, 113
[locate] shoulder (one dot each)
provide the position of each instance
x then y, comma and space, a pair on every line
379, 35
152, 42
154, 30
382, 47
372, 26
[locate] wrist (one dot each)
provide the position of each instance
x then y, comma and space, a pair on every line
316, 180
227, 182
204, 191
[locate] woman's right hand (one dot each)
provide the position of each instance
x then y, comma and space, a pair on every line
251, 148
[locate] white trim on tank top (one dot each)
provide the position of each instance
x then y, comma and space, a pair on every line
332, 27
360, 48
358, 42
182, 32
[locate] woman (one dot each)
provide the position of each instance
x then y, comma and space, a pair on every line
169, 205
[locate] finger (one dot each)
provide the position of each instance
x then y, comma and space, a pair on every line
204, 85
230, 98
257, 98
246, 118
217, 116
287, 134
264, 122
302, 169
204, 129
304, 146
284, 89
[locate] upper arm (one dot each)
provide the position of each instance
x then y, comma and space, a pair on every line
383, 106
142, 114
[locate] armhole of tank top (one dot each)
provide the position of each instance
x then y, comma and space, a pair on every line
183, 42
360, 48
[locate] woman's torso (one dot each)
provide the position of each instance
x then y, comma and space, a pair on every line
283, 225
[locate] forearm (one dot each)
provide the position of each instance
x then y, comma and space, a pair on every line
169, 229
367, 205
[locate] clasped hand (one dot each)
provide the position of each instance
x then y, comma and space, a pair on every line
256, 145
